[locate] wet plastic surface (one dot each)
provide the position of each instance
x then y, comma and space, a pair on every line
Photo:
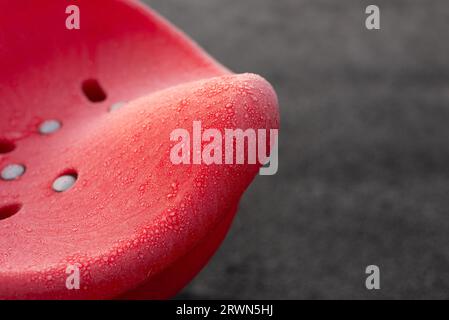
132, 219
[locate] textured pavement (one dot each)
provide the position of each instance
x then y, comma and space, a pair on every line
364, 152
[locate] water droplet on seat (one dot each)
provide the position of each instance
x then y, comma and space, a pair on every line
63, 183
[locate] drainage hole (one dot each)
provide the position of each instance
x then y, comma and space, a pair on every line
6, 146
93, 91
9, 210
49, 127
65, 181
12, 171
116, 106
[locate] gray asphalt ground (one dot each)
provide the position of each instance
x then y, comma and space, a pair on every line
364, 152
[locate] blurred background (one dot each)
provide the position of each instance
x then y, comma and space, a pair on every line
364, 152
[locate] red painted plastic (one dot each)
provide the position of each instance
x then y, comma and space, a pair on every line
137, 225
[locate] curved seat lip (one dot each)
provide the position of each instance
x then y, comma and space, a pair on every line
104, 281
136, 264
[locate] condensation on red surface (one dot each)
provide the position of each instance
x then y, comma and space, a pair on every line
132, 215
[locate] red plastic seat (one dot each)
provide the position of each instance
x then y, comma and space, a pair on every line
137, 225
